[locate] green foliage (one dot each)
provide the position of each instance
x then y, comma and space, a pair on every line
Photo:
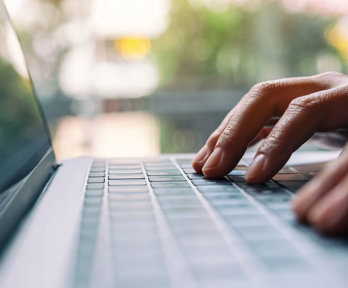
238, 46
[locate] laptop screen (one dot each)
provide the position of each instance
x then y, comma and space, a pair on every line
24, 140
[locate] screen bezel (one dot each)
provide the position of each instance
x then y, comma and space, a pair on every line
29, 188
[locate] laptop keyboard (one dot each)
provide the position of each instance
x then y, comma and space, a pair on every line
168, 226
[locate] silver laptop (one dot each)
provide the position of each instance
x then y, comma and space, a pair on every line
149, 222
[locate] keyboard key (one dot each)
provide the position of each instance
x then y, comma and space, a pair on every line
205, 182
173, 196
137, 182
161, 162
128, 189
91, 211
182, 213
289, 177
98, 163
230, 202
186, 165
135, 231
276, 198
190, 223
95, 186
184, 160
236, 179
226, 210
93, 201
161, 192
131, 206
229, 193
126, 176
164, 173
195, 176
218, 188
172, 210
94, 193
262, 188
124, 167
257, 232
188, 215
213, 271
129, 197
136, 281
96, 180
179, 202
286, 205
246, 220
160, 168
287, 170
96, 174
97, 169
237, 199
293, 186
130, 218
201, 233
166, 178
237, 173
124, 162
287, 264
286, 215
170, 185
272, 248
128, 171
189, 170
215, 257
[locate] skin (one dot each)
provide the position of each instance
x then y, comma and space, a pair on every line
286, 113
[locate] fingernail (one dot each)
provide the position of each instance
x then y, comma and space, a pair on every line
255, 167
213, 160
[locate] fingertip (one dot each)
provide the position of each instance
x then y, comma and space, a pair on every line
318, 219
200, 158
324, 217
211, 166
198, 165
256, 171
304, 200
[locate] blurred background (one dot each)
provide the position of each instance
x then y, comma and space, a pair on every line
143, 77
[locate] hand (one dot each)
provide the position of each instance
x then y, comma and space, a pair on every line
323, 202
287, 112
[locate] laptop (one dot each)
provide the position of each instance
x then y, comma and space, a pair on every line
149, 222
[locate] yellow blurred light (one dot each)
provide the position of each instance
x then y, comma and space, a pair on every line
339, 40
132, 48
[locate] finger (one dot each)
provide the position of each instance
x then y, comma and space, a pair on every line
265, 131
304, 116
330, 213
312, 192
264, 101
284, 139
206, 150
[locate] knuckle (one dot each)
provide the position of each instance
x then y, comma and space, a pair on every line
264, 91
274, 144
263, 88
224, 138
331, 78
306, 103
270, 144
331, 74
